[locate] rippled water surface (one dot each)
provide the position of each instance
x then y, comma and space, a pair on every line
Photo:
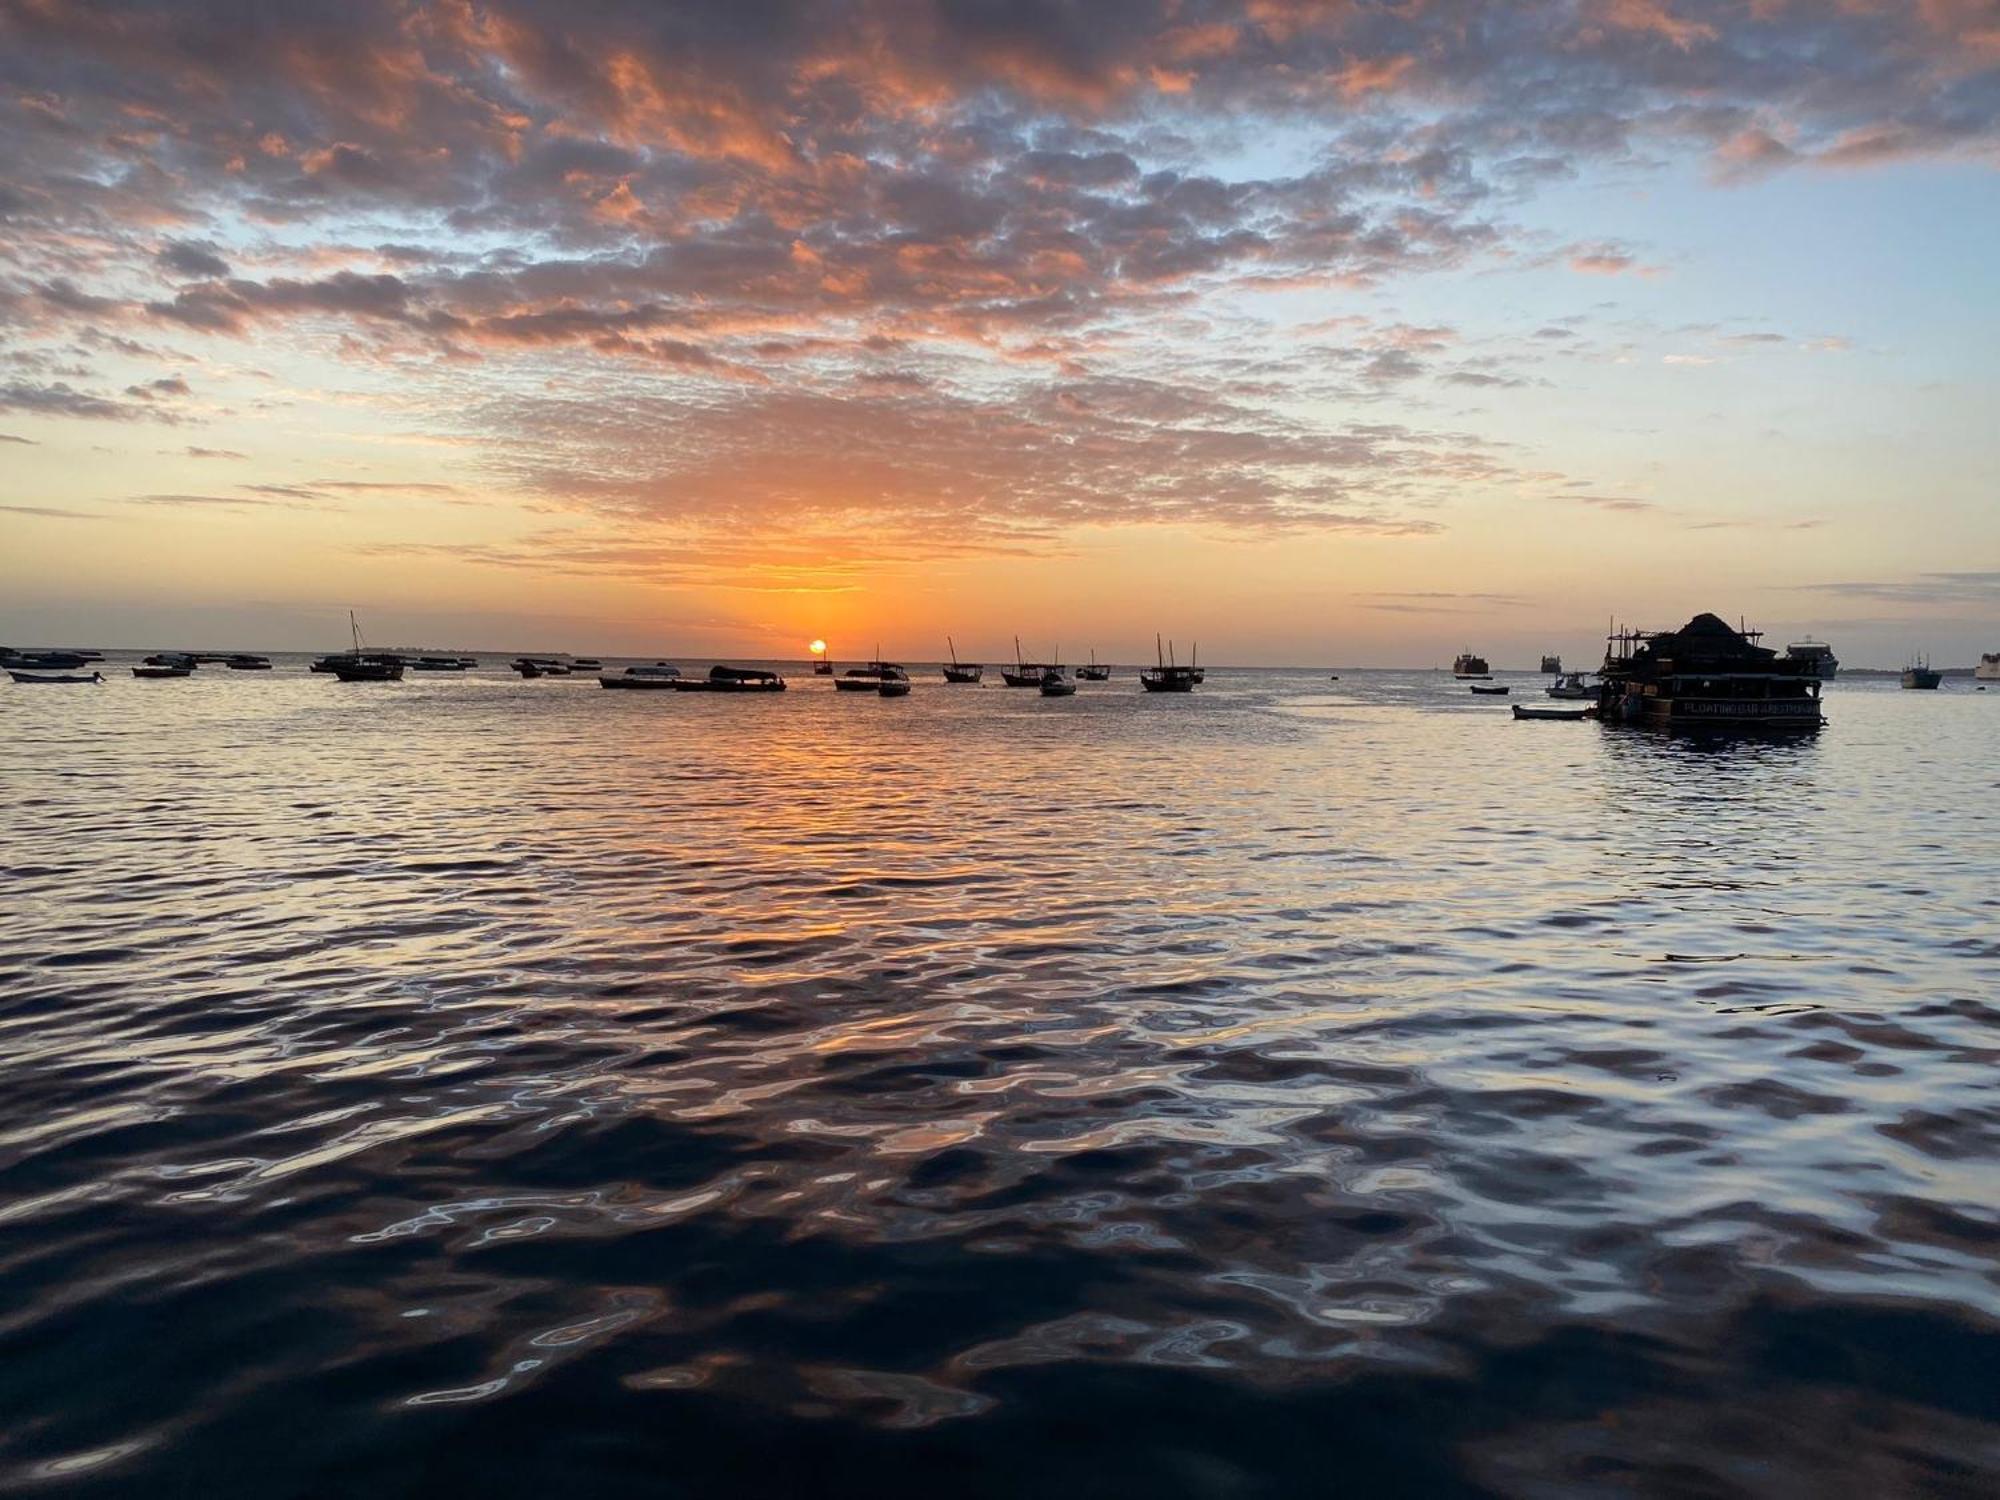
483, 1087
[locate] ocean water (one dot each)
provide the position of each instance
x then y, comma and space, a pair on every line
480, 1087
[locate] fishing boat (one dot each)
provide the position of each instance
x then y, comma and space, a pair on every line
1165, 675
1920, 674
869, 676
657, 675
893, 682
359, 665
154, 671
1026, 674
960, 671
1818, 658
1706, 675
1468, 665
540, 666
244, 662
1570, 685
1521, 711
1552, 665
40, 679
1057, 684
732, 680
1493, 692
1988, 669
1093, 671
47, 661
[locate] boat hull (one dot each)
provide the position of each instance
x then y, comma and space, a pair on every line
1925, 680
856, 684
50, 679
157, 673
1552, 714
963, 674
639, 683
700, 685
369, 672
1171, 685
894, 690
1717, 713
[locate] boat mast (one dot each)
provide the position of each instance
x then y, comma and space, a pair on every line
355, 631
954, 650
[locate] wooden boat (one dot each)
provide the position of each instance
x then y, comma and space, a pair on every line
358, 665
1707, 675
438, 664
961, 671
1056, 684
154, 672
1570, 685
1920, 674
1093, 671
244, 662
1523, 712
1026, 674
658, 675
1468, 665
1493, 692
540, 666
894, 681
39, 679
869, 676
172, 659
732, 680
1165, 675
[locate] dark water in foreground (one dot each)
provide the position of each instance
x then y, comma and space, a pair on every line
495, 1088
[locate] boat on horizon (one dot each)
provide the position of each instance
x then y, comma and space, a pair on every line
157, 670
1026, 674
1056, 683
722, 679
870, 675
960, 671
657, 674
1467, 665
47, 661
360, 665
540, 666
1167, 676
1818, 657
41, 679
1921, 674
1552, 665
1707, 675
1093, 671
243, 661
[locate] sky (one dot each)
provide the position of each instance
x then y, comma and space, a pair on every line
1319, 331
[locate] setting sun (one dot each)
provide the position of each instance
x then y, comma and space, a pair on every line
819, 648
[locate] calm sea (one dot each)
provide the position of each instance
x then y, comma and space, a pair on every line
478, 1087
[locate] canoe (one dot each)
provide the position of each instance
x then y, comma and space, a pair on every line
157, 672
1521, 712
1493, 692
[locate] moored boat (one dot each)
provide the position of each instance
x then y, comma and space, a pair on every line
1026, 674
1522, 711
1552, 665
1988, 669
893, 682
358, 665
155, 671
658, 674
1468, 664
961, 671
1057, 684
242, 661
1570, 685
722, 679
1093, 671
41, 679
1500, 691
1921, 674
438, 664
540, 666
1817, 656
1165, 675
47, 661
1706, 675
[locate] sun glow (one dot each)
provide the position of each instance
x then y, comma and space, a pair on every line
818, 648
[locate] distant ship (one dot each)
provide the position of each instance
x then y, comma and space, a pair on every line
1921, 674
1988, 669
1818, 657
1553, 665
1469, 665
1706, 675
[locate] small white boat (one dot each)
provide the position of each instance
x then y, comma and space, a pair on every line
1570, 685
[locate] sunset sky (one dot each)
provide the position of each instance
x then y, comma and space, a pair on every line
1338, 332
